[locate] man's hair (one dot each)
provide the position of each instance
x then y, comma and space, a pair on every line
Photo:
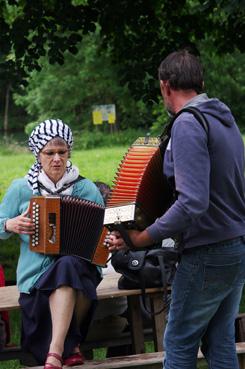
183, 71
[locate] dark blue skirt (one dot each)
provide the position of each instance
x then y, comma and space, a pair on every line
36, 319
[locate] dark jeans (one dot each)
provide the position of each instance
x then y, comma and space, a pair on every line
205, 302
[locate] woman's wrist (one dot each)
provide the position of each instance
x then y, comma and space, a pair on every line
5, 226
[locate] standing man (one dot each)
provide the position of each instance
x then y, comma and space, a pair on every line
207, 169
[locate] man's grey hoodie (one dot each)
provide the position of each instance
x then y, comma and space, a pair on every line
208, 171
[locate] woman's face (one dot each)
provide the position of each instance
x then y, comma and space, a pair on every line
53, 159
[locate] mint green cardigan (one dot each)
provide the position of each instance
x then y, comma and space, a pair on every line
32, 265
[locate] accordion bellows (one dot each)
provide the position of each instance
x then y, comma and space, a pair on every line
139, 194
68, 226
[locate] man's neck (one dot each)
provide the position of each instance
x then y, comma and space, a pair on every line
181, 98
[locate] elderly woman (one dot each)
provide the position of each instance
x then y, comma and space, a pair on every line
57, 293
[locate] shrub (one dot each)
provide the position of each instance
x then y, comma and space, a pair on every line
88, 140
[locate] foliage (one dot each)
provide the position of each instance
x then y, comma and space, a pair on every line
161, 117
225, 79
138, 32
34, 28
29, 128
90, 140
148, 30
135, 36
70, 91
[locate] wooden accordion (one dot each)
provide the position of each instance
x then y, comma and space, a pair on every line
139, 194
68, 226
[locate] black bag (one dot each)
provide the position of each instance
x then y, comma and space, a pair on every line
145, 269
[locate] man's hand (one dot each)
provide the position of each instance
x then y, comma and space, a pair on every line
138, 238
115, 241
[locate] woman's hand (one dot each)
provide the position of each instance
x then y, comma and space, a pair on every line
21, 224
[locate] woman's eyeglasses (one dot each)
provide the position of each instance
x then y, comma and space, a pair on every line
51, 154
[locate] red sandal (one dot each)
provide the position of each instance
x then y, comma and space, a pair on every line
75, 359
52, 366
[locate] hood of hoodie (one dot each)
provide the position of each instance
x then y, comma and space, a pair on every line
214, 107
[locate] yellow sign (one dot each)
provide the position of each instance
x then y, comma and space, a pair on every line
97, 117
104, 113
111, 118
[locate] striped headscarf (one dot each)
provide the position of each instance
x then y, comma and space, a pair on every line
40, 136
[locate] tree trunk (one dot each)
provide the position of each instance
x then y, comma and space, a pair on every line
6, 109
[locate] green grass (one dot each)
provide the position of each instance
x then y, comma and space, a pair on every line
96, 164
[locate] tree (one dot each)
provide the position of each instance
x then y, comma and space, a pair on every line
224, 77
69, 91
140, 32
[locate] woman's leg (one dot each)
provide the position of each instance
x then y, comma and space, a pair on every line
62, 302
82, 306
81, 309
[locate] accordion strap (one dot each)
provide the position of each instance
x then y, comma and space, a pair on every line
40, 185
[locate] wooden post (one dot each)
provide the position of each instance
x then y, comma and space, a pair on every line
6, 109
158, 320
136, 324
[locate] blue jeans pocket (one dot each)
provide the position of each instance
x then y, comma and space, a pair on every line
220, 277
182, 286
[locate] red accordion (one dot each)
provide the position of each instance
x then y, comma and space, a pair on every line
68, 226
139, 194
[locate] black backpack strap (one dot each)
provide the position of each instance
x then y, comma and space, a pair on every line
200, 117
166, 134
164, 285
165, 137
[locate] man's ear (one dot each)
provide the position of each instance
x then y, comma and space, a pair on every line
165, 88
161, 86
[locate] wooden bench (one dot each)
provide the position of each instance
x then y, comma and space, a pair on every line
106, 290
146, 360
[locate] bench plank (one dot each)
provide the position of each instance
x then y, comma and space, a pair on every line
151, 360
108, 289
9, 295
